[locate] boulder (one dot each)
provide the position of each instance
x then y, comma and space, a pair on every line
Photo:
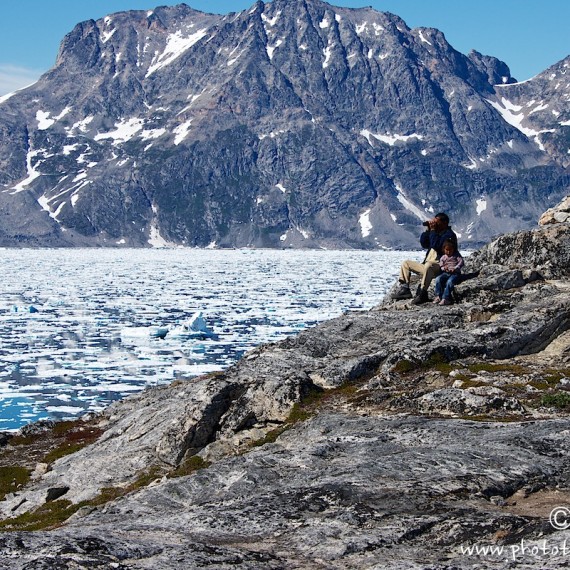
557, 215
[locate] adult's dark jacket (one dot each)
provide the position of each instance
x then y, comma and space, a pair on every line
434, 240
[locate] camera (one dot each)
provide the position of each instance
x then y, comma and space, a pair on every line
426, 224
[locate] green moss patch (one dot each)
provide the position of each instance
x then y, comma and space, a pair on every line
405, 366
559, 400
436, 361
188, 466
469, 382
553, 376
508, 367
12, 479
61, 451
20, 440
71, 436
47, 516
308, 407
271, 436
62, 438
543, 384
54, 513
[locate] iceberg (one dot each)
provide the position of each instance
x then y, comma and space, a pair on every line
195, 327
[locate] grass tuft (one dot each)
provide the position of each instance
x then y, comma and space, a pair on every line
271, 437
404, 366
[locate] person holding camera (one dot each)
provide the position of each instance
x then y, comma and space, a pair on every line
437, 232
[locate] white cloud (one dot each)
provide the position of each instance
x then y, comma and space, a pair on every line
13, 77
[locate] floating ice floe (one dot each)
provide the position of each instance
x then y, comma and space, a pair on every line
144, 332
195, 327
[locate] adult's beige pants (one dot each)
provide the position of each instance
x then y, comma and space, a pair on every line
428, 271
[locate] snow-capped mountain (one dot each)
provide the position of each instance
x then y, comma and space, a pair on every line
540, 109
291, 124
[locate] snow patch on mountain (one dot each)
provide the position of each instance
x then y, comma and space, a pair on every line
176, 45
272, 134
156, 240
410, 206
149, 134
481, 205
69, 148
512, 114
44, 122
423, 38
75, 195
32, 172
540, 107
365, 224
106, 36
388, 138
44, 201
124, 131
234, 59
182, 131
378, 29
271, 21
327, 54
80, 125
271, 49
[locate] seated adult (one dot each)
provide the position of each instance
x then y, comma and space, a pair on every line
437, 232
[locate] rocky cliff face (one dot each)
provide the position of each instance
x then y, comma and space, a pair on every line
290, 124
400, 437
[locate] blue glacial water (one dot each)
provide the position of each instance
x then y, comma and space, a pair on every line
77, 325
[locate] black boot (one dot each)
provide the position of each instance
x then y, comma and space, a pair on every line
421, 297
403, 292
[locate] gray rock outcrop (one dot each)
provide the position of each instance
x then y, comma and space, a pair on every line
400, 437
560, 213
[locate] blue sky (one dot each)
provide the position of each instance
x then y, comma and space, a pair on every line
528, 35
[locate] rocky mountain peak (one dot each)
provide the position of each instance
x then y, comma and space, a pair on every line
497, 71
289, 124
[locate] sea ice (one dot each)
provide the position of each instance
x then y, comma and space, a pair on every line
90, 342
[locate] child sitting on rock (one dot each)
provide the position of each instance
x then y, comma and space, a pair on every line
450, 264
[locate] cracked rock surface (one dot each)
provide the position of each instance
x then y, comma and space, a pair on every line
393, 438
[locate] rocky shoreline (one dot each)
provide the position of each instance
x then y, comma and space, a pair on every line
400, 437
